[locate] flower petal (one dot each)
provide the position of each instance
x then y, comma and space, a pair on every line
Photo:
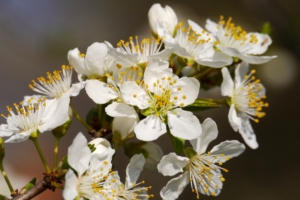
150, 129
125, 126
247, 133
134, 95
189, 91
134, 169
19, 137
172, 164
75, 89
4, 131
70, 189
227, 150
216, 60
123, 57
209, 133
250, 59
99, 91
100, 144
211, 27
240, 72
183, 124
234, 119
227, 84
77, 61
155, 154
262, 44
120, 110
79, 154
175, 187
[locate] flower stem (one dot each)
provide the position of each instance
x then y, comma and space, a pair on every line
38, 148
80, 119
204, 72
56, 152
6, 178
219, 101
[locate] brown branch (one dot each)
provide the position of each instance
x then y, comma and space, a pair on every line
32, 192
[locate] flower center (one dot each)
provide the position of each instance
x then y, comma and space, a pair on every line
147, 47
233, 35
28, 117
190, 40
56, 84
248, 98
205, 173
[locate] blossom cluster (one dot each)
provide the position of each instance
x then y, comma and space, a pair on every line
145, 88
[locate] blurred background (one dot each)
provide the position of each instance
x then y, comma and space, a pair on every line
35, 37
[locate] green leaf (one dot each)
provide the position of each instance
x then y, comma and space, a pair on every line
201, 104
266, 28
28, 186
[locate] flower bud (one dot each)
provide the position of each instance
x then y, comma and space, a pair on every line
99, 145
123, 128
166, 16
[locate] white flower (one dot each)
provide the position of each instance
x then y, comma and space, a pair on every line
246, 96
114, 189
57, 84
166, 16
34, 118
236, 42
101, 92
201, 169
135, 53
153, 155
195, 44
161, 93
92, 170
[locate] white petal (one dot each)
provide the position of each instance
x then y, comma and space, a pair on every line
55, 113
124, 125
217, 60
262, 44
70, 189
134, 169
209, 133
184, 124
227, 84
172, 164
230, 149
154, 153
95, 58
19, 137
100, 144
178, 50
240, 72
189, 88
79, 154
75, 89
234, 119
175, 187
164, 54
120, 110
77, 61
134, 95
99, 91
247, 133
195, 26
211, 27
123, 57
150, 129
4, 131
250, 59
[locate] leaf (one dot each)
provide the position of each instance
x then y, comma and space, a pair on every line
28, 186
266, 28
201, 104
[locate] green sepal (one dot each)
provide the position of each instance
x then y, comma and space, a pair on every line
133, 148
266, 28
177, 143
229, 101
28, 186
200, 105
63, 164
92, 114
60, 131
91, 147
147, 111
190, 152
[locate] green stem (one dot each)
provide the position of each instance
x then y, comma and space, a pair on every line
100, 112
219, 101
56, 152
203, 73
80, 119
6, 178
179, 70
38, 148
